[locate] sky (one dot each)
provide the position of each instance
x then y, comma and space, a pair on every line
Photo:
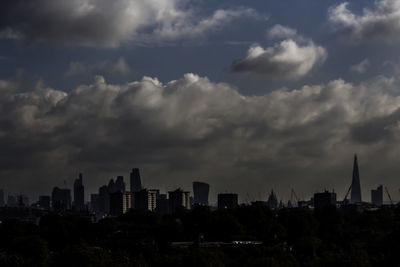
249, 96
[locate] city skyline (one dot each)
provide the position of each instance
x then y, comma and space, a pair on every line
248, 96
199, 194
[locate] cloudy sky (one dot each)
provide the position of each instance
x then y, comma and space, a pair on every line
246, 95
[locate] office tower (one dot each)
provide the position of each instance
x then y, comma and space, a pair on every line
355, 184
178, 199
377, 196
272, 200
200, 191
61, 199
146, 199
79, 194
94, 202
120, 184
22, 201
44, 202
227, 201
162, 204
111, 186
1, 198
104, 200
136, 184
120, 203
324, 199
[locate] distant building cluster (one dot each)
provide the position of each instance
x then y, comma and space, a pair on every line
113, 199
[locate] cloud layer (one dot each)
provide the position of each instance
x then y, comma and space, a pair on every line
192, 128
108, 23
381, 24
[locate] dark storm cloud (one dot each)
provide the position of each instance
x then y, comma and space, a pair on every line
191, 128
107, 23
290, 59
381, 24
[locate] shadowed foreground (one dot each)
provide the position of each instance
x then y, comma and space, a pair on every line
290, 237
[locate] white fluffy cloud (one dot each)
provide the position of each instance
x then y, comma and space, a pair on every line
286, 60
192, 127
381, 24
108, 23
279, 31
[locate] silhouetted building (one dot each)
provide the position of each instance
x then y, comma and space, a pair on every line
272, 200
104, 200
178, 199
61, 199
79, 193
355, 183
120, 203
377, 196
227, 201
200, 192
1, 198
146, 199
111, 186
120, 184
324, 199
136, 183
44, 202
162, 204
94, 203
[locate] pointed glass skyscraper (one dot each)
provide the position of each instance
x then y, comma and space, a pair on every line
355, 183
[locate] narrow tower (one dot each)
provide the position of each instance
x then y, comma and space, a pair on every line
355, 183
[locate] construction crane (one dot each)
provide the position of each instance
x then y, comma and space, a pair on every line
347, 194
390, 198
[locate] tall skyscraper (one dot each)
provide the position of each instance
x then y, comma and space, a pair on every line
200, 191
79, 193
136, 184
355, 183
120, 184
377, 196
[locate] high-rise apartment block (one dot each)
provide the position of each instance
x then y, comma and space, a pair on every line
178, 199
146, 199
120, 203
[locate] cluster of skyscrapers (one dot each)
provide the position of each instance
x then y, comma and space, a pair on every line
114, 199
